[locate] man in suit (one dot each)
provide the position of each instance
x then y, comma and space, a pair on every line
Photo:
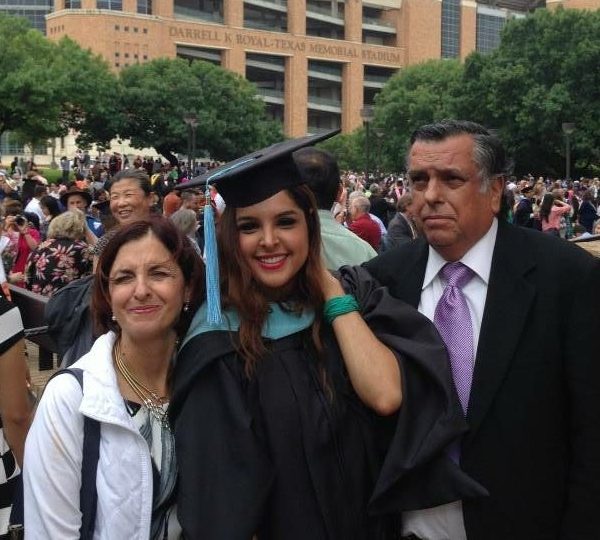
402, 228
523, 350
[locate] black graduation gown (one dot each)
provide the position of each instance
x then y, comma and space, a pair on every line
278, 457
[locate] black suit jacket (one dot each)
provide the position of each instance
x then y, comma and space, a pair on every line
534, 410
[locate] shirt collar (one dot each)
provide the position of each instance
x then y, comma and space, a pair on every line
478, 258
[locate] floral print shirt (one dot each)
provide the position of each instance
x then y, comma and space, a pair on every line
55, 263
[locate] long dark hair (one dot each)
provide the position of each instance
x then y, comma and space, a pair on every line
183, 254
546, 206
241, 291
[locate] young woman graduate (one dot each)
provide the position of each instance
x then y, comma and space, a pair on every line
284, 411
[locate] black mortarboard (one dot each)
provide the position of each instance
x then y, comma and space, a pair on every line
259, 175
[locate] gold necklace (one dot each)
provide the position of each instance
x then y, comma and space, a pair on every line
148, 397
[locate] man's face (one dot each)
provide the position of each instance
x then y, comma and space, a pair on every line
447, 200
76, 202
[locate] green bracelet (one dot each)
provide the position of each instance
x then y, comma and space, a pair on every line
339, 305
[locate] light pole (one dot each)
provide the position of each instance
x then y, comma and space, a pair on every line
367, 115
191, 121
379, 133
568, 129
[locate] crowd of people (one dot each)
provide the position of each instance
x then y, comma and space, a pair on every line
407, 358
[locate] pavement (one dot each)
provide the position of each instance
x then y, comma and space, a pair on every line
38, 378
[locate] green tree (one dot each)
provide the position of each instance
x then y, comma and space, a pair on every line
91, 94
27, 91
545, 72
348, 149
47, 88
157, 96
417, 95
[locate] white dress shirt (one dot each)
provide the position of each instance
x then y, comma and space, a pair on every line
446, 522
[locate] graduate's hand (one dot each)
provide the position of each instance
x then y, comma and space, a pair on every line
330, 285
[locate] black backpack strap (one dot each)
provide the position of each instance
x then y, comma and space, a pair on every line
88, 495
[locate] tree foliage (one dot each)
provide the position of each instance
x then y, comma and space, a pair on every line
544, 73
417, 95
158, 95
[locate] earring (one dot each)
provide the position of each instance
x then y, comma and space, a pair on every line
186, 307
113, 317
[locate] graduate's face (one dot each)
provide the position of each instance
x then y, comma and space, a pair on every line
273, 240
147, 289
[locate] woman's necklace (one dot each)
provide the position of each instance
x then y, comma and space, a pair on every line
149, 397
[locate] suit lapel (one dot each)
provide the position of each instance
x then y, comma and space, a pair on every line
509, 298
407, 281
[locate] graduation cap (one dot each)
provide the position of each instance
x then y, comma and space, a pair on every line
243, 182
259, 175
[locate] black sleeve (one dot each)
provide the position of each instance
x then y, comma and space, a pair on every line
416, 471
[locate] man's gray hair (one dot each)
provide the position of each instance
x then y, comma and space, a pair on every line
361, 203
488, 151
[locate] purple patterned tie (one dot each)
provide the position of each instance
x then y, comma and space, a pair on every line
453, 321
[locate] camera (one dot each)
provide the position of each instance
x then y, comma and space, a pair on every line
20, 220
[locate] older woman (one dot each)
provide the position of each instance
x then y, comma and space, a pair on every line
130, 196
146, 282
60, 259
187, 222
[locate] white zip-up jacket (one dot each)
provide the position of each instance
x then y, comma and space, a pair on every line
53, 454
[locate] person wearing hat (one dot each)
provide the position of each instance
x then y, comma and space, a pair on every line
524, 210
289, 408
80, 199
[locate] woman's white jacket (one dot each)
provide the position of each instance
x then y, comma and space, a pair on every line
53, 453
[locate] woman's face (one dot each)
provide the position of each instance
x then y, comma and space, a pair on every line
597, 228
147, 289
128, 201
273, 239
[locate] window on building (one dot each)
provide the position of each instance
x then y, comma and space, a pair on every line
144, 7
206, 10
324, 95
489, 28
72, 4
267, 72
200, 53
9, 144
264, 19
114, 5
450, 28
35, 12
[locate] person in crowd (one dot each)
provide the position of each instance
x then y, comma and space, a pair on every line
130, 195
321, 173
380, 207
587, 210
50, 209
187, 223
34, 205
274, 407
361, 223
402, 228
552, 210
63, 257
172, 202
65, 167
16, 407
191, 199
523, 215
519, 313
149, 281
81, 199
26, 238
